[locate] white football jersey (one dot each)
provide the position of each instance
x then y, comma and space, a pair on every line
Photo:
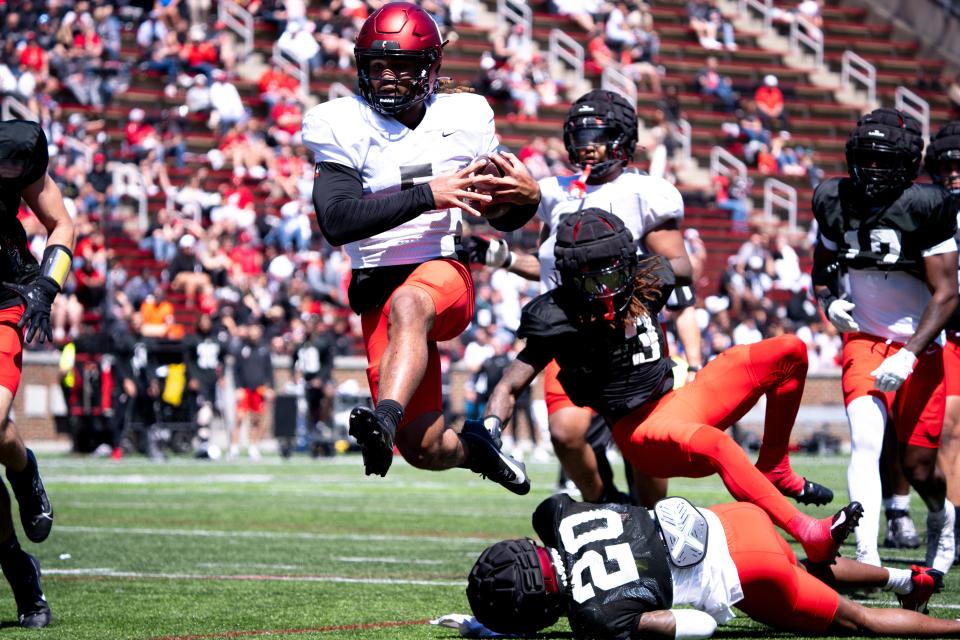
456, 128
641, 201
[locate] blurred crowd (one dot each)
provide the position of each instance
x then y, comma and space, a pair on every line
230, 234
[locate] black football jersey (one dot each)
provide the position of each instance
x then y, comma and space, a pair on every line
610, 371
23, 161
615, 562
204, 356
314, 357
890, 237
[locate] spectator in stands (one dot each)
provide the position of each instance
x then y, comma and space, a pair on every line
165, 59
199, 55
193, 200
809, 10
253, 376
237, 209
228, 108
197, 98
703, 24
298, 42
580, 11
150, 32
712, 83
274, 85
185, 272
601, 56
770, 104
139, 135
156, 314
732, 194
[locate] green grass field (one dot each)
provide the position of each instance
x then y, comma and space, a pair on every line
295, 549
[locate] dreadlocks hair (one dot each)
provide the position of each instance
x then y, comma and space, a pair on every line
646, 289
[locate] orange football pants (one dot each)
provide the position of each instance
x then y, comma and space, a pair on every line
776, 590
450, 286
11, 348
681, 433
917, 407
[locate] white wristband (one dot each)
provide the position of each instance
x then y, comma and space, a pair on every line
692, 624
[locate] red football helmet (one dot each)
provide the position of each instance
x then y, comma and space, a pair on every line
407, 37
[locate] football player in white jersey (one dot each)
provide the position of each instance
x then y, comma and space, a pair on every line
894, 241
943, 165
393, 170
600, 134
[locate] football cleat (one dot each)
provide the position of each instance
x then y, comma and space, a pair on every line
926, 582
23, 573
375, 440
814, 493
36, 514
901, 532
841, 526
941, 543
485, 457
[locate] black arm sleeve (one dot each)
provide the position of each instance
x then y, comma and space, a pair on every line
516, 218
344, 217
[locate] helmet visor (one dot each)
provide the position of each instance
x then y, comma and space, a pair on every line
588, 136
604, 282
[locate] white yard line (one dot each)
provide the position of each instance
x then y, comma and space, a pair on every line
277, 535
384, 560
111, 573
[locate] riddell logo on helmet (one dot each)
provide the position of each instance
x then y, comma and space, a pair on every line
876, 133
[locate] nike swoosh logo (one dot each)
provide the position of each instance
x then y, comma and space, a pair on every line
842, 517
446, 134
520, 476
46, 514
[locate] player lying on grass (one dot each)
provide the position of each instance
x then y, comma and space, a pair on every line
617, 571
600, 325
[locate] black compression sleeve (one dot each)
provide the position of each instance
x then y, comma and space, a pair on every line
344, 217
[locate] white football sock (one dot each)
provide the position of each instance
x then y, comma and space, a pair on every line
866, 416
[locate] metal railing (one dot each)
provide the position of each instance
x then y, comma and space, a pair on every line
686, 139
763, 7
564, 48
912, 104
13, 109
613, 79
781, 195
724, 163
338, 90
853, 67
511, 12
128, 182
299, 69
238, 20
803, 32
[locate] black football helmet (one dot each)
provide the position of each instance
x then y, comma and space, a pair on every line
883, 152
597, 261
513, 588
605, 118
943, 157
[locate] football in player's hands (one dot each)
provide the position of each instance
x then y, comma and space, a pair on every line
490, 210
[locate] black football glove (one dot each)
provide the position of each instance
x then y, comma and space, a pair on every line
488, 251
37, 298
